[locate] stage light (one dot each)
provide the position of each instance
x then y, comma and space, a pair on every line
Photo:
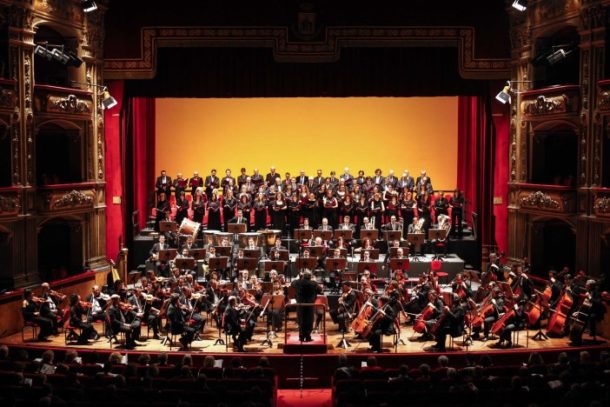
558, 56
520, 5
108, 102
57, 53
504, 95
43, 52
89, 6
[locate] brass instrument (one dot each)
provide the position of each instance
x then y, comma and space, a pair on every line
444, 223
419, 226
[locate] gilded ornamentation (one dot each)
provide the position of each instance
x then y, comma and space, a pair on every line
9, 204
72, 199
7, 98
327, 50
540, 200
604, 100
601, 206
68, 104
543, 105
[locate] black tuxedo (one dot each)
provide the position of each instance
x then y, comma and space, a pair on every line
406, 183
270, 178
379, 180
164, 184
307, 292
239, 220
391, 180
194, 183
211, 183
389, 226
303, 180
317, 182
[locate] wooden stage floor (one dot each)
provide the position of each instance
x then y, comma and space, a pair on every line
409, 343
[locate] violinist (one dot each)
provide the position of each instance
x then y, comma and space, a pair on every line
191, 306
30, 309
98, 303
383, 323
49, 308
177, 322
345, 310
142, 307
450, 322
77, 319
123, 319
233, 325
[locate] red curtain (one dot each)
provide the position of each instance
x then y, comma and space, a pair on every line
115, 214
141, 131
501, 121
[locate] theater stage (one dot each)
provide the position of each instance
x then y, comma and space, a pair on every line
316, 369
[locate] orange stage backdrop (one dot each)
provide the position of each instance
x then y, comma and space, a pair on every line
309, 133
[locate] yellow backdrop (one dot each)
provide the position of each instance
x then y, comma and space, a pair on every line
309, 133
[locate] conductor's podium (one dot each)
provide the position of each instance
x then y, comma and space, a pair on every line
292, 341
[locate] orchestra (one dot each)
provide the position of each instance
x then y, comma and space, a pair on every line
347, 217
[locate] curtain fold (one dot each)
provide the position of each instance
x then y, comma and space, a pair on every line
114, 164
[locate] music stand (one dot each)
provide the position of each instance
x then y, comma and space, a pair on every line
167, 255
236, 228
416, 239
247, 263
316, 251
306, 263
197, 254
373, 253
399, 264
252, 253
391, 235
185, 263
168, 226
393, 251
335, 263
277, 265
284, 255
439, 236
217, 263
223, 250
324, 234
346, 234
370, 265
303, 234
371, 234
273, 302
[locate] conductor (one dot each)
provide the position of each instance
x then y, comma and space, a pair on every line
307, 291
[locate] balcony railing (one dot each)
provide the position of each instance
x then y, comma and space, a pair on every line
10, 201
64, 197
546, 198
555, 100
601, 202
60, 100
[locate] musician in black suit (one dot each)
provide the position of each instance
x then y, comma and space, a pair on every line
161, 266
233, 326
195, 182
317, 182
307, 291
30, 310
178, 323
242, 178
212, 182
119, 323
98, 303
391, 179
378, 178
271, 177
383, 323
77, 319
302, 179
347, 178
393, 224
180, 184
345, 311
406, 182
457, 202
441, 206
239, 218
228, 182
164, 183
424, 180
189, 244
163, 210
450, 322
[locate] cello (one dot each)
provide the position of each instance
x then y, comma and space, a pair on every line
501, 322
420, 323
558, 318
361, 321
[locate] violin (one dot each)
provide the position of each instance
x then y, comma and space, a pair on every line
60, 297
85, 304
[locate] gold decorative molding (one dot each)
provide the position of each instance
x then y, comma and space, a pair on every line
73, 199
68, 104
327, 50
539, 200
543, 105
601, 206
9, 204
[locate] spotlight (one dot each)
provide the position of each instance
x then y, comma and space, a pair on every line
57, 53
43, 52
74, 59
107, 100
520, 5
89, 6
558, 56
504, 95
